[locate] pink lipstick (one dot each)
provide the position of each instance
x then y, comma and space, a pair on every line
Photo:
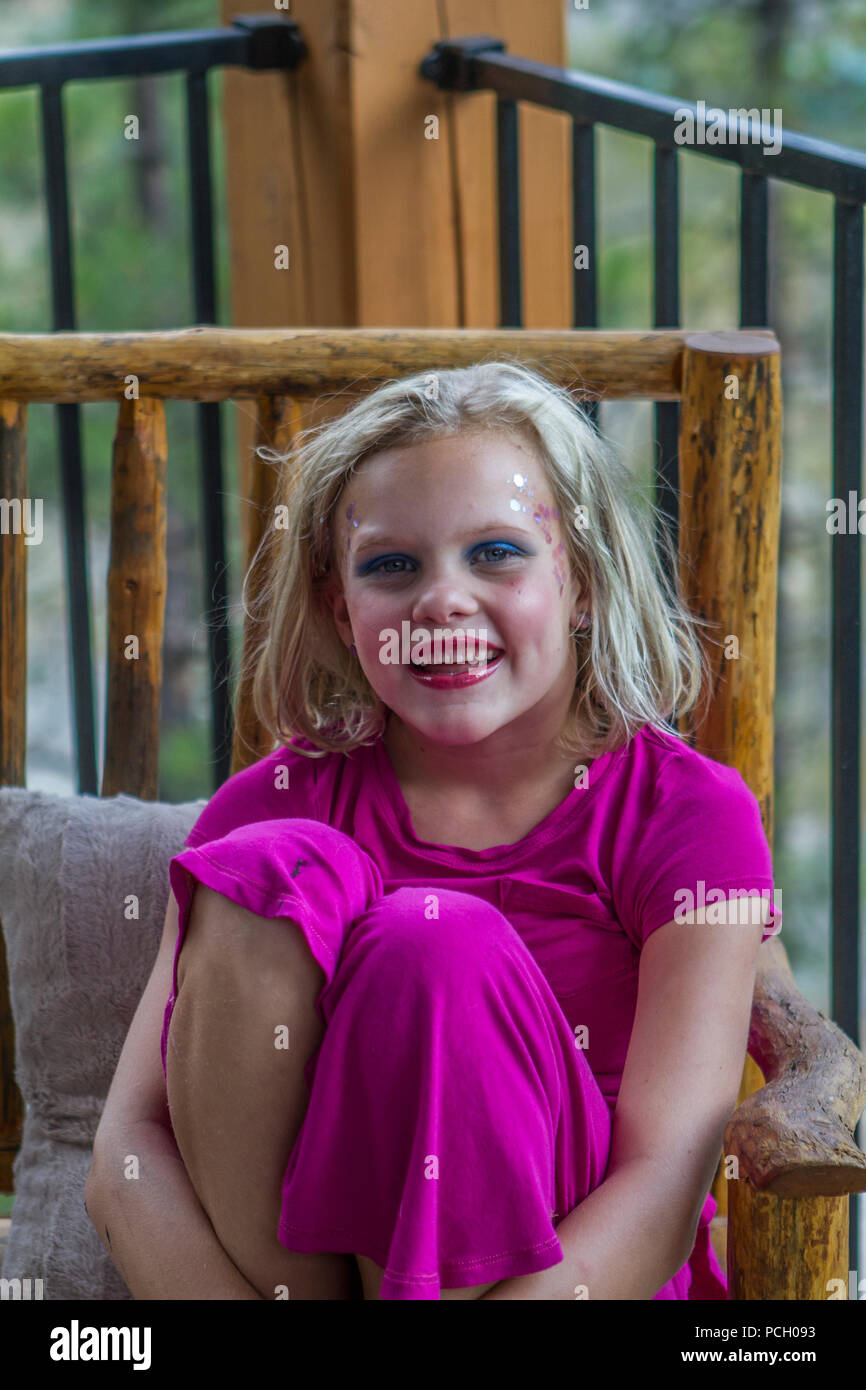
459, 677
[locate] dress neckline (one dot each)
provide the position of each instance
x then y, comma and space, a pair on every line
562, 815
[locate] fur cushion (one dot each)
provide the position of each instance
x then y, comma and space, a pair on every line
83, 893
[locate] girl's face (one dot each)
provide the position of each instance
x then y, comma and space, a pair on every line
456, 535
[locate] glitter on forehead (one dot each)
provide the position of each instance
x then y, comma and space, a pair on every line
541, 514
350, 517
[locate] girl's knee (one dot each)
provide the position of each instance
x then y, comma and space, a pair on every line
268, 865
295, 843
439, 926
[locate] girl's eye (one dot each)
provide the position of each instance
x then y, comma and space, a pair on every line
378, 566
507, 551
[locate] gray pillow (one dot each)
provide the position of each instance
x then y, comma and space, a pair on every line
79, 960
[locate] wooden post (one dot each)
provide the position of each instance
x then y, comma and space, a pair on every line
136, 601
383, 226
786, 1247
730, 495
13, 727
730, 472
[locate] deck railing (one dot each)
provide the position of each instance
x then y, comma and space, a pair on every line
257, 42
678, 127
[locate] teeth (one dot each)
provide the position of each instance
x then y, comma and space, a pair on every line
490, 655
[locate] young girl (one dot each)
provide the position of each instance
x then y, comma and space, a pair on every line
447, 1006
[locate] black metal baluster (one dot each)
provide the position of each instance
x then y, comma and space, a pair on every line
508, 169
845, 660
209, 431
584, 234
69, 429
666, 314
754, 250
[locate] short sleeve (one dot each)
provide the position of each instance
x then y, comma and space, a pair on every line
281, 784
700, 840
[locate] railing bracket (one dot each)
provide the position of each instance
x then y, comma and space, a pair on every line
450, 62
273, 43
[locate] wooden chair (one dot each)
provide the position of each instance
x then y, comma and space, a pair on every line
789, 1144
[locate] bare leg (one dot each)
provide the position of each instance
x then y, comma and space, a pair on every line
237, 1101
372, 1276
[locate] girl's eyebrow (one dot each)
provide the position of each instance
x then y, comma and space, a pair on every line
494, 528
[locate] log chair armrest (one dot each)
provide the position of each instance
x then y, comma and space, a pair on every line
795, 1136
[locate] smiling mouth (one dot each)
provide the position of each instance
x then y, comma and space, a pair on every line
490, 654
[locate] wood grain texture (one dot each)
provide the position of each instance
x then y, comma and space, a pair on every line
784, 1248
290, 181
212, 364
538, 33
136, 601
382, 224
730, 495
795, 1137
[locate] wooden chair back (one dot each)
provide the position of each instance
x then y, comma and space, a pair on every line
788, 1208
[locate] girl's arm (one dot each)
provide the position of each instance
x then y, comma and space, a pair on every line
138, 1193
154, 1227
679, 1088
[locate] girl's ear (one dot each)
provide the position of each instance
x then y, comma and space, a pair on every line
332, 594
581, 613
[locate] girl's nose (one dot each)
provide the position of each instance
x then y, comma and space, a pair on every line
440, 601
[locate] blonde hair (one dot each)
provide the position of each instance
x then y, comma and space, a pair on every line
638, 661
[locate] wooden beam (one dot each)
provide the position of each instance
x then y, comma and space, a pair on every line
136, 601
211, 364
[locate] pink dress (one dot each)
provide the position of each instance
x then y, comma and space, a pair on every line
478, 1004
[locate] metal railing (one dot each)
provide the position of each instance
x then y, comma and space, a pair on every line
481, 64
258, 42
